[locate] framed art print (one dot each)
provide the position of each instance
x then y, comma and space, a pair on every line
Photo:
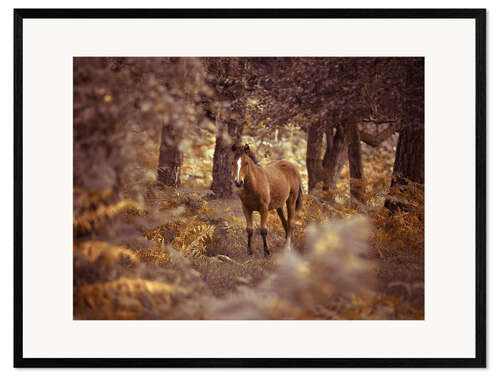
250, 188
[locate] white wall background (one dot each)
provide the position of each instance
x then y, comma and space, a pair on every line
6, 152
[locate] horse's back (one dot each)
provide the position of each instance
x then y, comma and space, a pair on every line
284, 168
284, 180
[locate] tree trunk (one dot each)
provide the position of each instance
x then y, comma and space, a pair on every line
170, 159
313, 156
410, 152
410, 156
222, 173
355, 164
335, 156
409, 163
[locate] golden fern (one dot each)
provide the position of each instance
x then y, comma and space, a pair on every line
93, 209
194, 237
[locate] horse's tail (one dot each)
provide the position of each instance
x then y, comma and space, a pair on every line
298, 204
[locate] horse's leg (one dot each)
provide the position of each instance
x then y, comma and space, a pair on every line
281, 214
263, 231
290, 205
249, 219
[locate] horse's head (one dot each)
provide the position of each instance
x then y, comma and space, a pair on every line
241, 160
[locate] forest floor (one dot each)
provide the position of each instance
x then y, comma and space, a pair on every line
210, 235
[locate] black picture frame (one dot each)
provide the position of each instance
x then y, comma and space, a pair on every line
479, 15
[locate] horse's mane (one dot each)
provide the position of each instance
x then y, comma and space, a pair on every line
252, 156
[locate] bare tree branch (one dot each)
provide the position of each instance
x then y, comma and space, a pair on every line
376, 140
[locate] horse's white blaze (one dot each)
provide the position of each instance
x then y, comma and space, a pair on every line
239, 167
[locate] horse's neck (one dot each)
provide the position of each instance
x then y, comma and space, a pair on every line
252, 177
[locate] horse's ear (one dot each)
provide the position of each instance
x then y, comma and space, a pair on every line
233, 147
246, 148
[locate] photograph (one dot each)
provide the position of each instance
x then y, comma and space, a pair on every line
248, 188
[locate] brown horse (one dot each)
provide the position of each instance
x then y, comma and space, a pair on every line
264, 189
